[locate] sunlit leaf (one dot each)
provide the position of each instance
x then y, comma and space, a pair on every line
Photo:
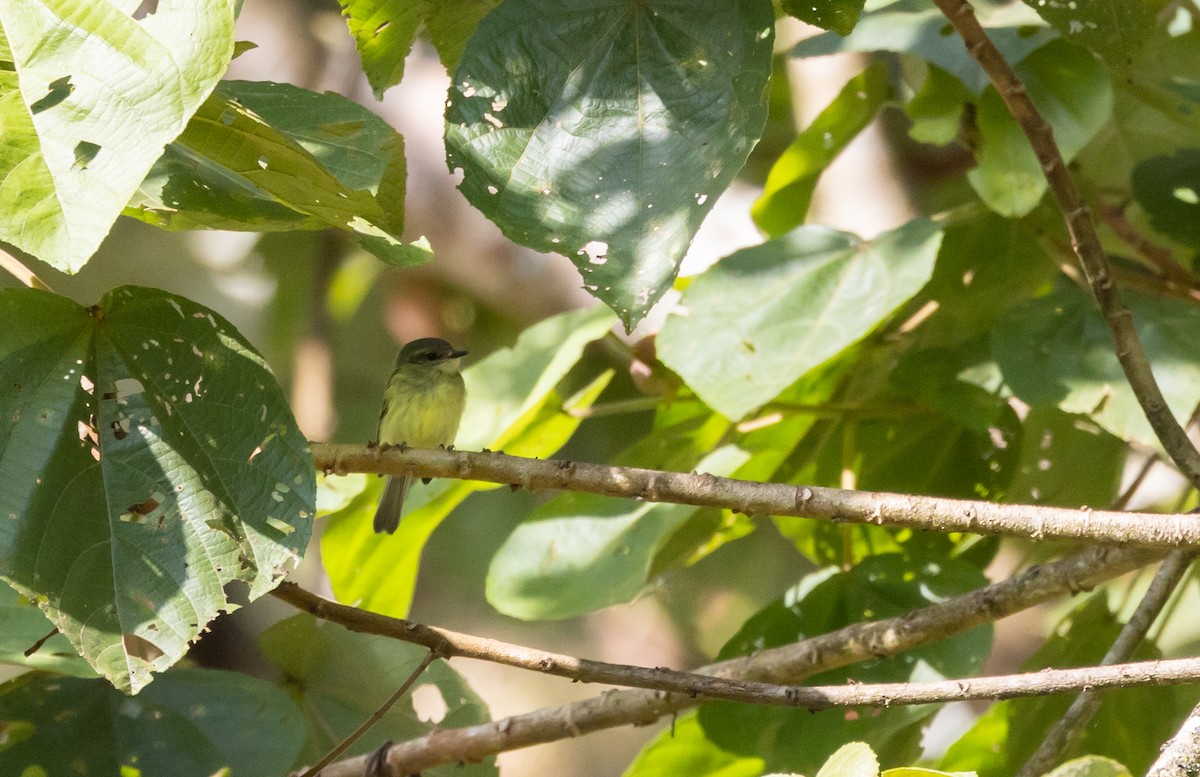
788, 192
606, 133
683, 749
383, 32
1072, 92
1057, 350
917, 27
265, 157
760, 319
150, 459
87, 102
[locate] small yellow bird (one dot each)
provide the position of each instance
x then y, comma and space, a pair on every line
422, 405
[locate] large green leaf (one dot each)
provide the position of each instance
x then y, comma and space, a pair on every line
584, 552
383, 32
1072, 92
879, 587
23, 625
986, 265
264, 157
1056, 350
1116, 30
1005, 736
837, 15
511, 404
936, 109
606, 132
917, 27
190, 722
788, 192
339, 678
683, 749
1066, 460
758, 320
150, 459
88, 98
451, 23
1168, 189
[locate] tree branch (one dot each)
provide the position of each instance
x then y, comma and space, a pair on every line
1067, 730
788, 664
1084, 239
756, 499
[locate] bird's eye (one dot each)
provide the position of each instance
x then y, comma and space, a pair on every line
431, 357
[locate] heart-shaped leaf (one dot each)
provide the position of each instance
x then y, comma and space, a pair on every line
606, 132
150, 458
756, 321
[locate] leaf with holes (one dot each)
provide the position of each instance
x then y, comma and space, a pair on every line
150, 459
606, 132
270, 157
192, 721
383, 32
88, 97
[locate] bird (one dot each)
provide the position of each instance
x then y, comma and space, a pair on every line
422, 405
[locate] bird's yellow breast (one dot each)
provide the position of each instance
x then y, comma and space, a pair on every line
424, 413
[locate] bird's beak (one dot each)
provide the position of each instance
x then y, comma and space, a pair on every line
458, 354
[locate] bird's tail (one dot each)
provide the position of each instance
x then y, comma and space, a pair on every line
387, 515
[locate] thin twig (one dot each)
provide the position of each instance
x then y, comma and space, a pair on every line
778, 499
1084, 239
731, 689
375, 717
1067, 729
18, 270
1156, 256
36, 646
788, 664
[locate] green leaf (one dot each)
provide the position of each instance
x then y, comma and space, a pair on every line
1116, 30
451, 23
584, 552
191, 721
879, 587
267, 157
606, 132
788, 192
683, 749
936, 110
151, 459
1072, 92
1168, 189
22, 625
383, 32
1008, 733
1090, 766
83, 75
511, 402
761, 318
1057, 351
917, 27
837, 15
986, 265
339, 678
1065, 460
854, 759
